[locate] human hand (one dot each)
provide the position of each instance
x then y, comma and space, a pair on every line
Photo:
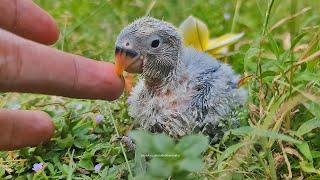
28, 66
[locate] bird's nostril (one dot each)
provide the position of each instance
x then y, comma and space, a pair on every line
131, 53
127, 52
118, 49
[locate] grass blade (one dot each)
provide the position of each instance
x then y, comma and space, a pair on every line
247, 130
308, 126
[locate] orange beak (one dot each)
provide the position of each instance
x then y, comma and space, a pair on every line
127, 60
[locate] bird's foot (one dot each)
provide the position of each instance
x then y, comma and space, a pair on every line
128, 142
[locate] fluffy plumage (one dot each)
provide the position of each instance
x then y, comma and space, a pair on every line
181, 90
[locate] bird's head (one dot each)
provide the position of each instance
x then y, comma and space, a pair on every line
148, 46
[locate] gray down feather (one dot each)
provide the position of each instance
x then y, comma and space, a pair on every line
195, 93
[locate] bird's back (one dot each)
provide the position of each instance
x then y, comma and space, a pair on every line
204, 65
216, 96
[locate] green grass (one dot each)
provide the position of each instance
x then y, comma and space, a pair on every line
283, 139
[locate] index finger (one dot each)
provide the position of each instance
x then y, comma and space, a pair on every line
26, 66
26, 19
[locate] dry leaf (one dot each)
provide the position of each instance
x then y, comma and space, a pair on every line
294, 152
244, 80
286, 41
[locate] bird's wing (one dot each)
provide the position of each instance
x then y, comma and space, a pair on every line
216, 94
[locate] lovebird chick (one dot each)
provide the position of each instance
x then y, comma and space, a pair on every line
181, 90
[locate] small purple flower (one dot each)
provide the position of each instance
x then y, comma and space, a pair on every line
78, 106
226, 16
99, 118
97, 167
130, 100
37, 167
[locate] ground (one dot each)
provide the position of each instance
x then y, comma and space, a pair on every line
277, 58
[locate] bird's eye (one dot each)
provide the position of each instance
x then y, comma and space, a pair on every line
155, 43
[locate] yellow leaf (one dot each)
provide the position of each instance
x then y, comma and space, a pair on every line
219, 51
216, 45
195, 33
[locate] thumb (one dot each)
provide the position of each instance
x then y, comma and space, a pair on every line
22, 128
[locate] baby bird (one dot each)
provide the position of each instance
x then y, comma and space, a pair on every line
181, 90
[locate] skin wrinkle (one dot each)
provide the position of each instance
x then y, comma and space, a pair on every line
4, 61
13, 122
8, 61
76, 73
16, 15
17, 49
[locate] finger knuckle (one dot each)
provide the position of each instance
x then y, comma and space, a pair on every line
10, 58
